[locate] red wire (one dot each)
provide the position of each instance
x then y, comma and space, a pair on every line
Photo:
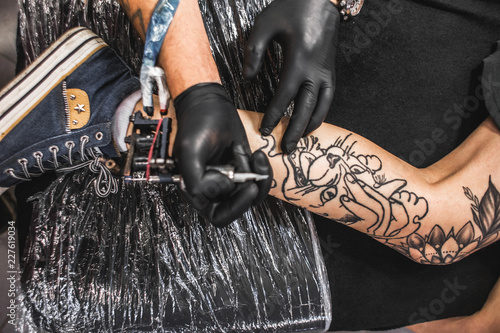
150, 155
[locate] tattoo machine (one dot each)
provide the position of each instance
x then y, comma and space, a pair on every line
148, 158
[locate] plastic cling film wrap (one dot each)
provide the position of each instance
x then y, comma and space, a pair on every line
41, 22
143, 260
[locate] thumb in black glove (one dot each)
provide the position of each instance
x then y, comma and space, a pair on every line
210, 132
307, 32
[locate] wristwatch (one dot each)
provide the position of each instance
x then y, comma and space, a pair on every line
348, 8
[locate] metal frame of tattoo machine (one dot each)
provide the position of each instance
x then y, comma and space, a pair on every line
147, 158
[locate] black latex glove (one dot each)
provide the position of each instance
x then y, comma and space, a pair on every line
307, 32
210, 133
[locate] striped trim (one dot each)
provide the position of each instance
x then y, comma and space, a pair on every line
30, 87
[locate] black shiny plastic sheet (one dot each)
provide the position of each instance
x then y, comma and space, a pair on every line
228, 24
142, 259
41, 22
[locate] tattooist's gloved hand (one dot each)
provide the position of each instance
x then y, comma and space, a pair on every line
307, 31
210, 133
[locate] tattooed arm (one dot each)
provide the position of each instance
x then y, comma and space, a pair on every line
435, 215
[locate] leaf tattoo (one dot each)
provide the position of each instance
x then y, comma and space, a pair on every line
468, 193
488, 216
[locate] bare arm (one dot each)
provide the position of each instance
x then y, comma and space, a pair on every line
185, 55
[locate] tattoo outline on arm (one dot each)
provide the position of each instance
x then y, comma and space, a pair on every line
337, 179
484, 229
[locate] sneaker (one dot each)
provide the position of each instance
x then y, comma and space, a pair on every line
57, 114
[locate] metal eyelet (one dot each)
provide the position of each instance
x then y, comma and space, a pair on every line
84, 138
69, 144
54, 150
24, 164
99, 136
38, 154
9, 171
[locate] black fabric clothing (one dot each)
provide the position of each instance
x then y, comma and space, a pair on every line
490, 81
409, 79
407, 71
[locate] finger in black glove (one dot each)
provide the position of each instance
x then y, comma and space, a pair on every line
307, 31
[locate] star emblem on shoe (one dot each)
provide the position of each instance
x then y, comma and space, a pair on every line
80, 108
77, 107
